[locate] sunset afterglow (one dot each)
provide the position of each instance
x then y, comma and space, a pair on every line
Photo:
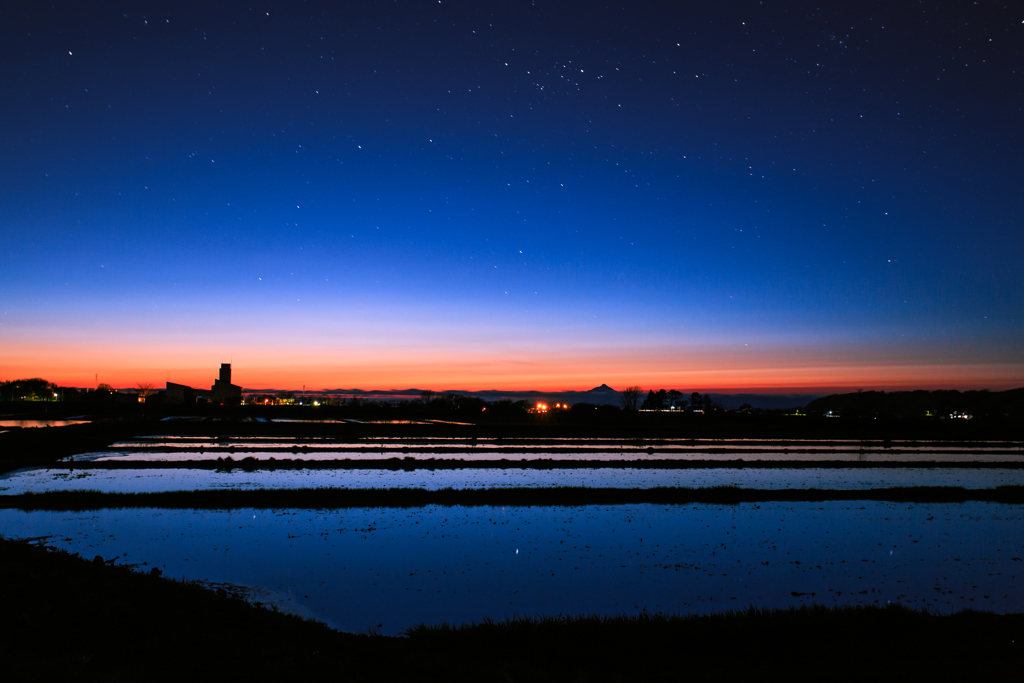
484, 205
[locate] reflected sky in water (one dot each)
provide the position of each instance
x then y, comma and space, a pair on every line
29, 424
187, 448
178, 479
357, 568
635, 455
361, 567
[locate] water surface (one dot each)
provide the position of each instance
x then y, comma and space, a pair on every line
29, 424
190, 448
181, 478
358, 568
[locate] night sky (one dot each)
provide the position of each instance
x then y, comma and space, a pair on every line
518, 195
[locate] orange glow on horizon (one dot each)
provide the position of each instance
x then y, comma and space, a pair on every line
705, 370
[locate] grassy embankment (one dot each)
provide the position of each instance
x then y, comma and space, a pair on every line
68, 618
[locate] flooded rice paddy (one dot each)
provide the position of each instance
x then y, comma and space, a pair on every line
398, 567
182, 449
391, 567
184, 478
30, 424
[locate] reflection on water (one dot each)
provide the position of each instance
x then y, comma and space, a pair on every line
354, 568
626, 456
399, 567
25, 424
185, 448
175, 439
179, 479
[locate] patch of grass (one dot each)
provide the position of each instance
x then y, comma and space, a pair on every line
64, 617
801, 642
336, 498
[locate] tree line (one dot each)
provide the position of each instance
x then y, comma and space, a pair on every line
665, 400
35, 389
38, 389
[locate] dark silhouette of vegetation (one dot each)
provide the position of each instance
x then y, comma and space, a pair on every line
74, 619
629, 397
507, 409
661, 400
35, 389
704, 403
656, 400
737, 644
937, 405
93, 621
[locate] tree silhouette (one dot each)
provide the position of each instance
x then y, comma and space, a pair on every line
655, 400
35, 389
660, 399
426, 395
144, 390
630, 396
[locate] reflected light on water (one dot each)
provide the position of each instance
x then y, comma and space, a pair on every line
401, 567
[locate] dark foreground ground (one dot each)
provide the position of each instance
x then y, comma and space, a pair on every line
68, 618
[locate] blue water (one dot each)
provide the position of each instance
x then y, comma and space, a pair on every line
178, 479
398, 567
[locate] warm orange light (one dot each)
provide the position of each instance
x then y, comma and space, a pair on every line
780, 369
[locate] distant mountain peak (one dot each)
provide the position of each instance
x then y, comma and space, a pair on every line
603, 387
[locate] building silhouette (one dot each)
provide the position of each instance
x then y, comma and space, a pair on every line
222, 392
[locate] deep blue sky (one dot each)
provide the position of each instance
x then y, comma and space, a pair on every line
539, 194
